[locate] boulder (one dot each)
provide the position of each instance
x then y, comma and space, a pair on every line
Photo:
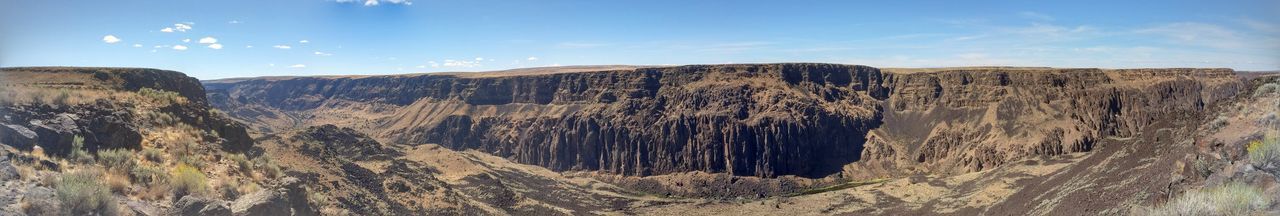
17, 136
288, 197
193, 205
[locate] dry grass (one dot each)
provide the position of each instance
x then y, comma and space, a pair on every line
242, 163
117, 183
1230, 199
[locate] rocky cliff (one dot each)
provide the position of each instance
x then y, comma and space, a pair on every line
811, 120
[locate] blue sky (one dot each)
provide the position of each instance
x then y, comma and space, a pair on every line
316, 37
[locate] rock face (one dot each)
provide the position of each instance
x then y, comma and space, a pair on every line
103, 123
765, 120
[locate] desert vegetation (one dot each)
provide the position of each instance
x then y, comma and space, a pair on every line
1228, 199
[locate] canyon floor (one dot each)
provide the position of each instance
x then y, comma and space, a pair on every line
749, 139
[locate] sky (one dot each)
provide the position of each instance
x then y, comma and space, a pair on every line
246, 38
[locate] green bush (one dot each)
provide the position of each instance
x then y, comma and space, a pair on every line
1230, 199
116, 159
1265, 89
82, 193
1265, 154
78, 154
147, 175
186, 180
160, 95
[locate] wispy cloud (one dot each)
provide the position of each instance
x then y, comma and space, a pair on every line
282, 47
215, 46
377, 2
1198, 34
304, 41
323, 53
177, 27
531, 58
110, 39
460, 63
580, 45
1035, 16
298, 66
179, 47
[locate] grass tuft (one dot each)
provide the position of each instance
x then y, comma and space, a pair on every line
116, 159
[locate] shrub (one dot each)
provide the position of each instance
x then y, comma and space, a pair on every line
242, 163
1265, 154
82, 193
186, 179
153, 155
147, 175
1266, 89
268, 167
1229, 199
229, 190
116, 159
192, 160
62, 98
161, 95
78, 154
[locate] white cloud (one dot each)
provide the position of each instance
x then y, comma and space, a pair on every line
208, 40
248, 46
110, 39
376, 2
234, 22
137, 45
298, 66
479, 59
282, 47
304, 41
434, 64
179, 47
461, 64
323, 53
421, 66
531, 58
188, 40
179, 27
215, 46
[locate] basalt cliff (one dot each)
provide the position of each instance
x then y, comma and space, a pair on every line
764, 120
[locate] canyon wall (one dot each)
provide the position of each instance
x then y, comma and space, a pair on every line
767, 120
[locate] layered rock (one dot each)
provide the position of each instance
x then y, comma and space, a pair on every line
765, 120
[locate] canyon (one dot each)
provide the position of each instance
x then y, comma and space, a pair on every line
765, 120
785, 138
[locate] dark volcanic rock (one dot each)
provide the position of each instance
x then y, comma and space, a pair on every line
766, 120
331, 141
192, 205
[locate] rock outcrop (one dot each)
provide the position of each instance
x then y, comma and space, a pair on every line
104, 123
766, 120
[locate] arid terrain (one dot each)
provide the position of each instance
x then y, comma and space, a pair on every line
734, 139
